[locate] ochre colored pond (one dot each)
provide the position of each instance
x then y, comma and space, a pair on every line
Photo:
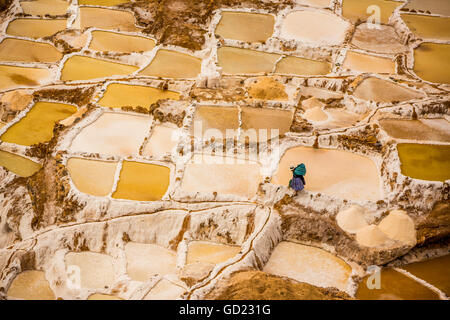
209, 252
43, 7
308, 264
103, 3
425, 129
19, 165
431, 62
394, 286
365, 63
172, 64
31, 285
379, 90
441, 7
425, 161
35, 28
357, 9
214, 117
28, 51
108, 19
267, 88
249, 27
116, 42
302, 67
119, 95
86, 68
142, 181
91, 176
15, 77
267, 120
428, 27
245, 61
37, 125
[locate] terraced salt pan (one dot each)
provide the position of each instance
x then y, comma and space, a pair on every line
173, 64
425, 161
86, 68
116, 42
30, 285
229, 177
428, 27
340, 118
302, 67
431, 62
244, 61
96, 269
379, 90
208, 118
119, 95
315, 27
142, 181
315, 114
108, 19
165, 290
394, 286
248, 27
267, 88
147, 260
441, 7
19, 165
113, 134
266, 120
209, 252
308, 264
37, 125
91, 176
35, 28
314, 3
162, 141
383, 39
366, 63
103, 3
28, 51
328, 172
43, 7
423, 129
355, 10
15, 77
352, 219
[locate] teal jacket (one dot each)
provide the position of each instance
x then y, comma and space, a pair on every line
300, 170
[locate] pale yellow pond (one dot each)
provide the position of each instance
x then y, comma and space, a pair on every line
43, 7
96, 269
19, 165
209, 252
431, 62
103, 3
31, 285
248, 27
37, 126
214, 117
99, 296
245, 61
260, 123
379, 90
91, 176
428, 27
86, 68
116, 42
172, 64
142, 181
357, 9
108, 19
162, 141
165, 290
28, 51
424, 129
302, 67
119, 95
365, 63
16, 77
35, 28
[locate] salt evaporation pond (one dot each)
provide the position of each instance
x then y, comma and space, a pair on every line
355, 10
162, 141
441, 7
15, 77
30, 285
423, 129
99, 296
217, 118
165, 290
302, 67
18, 50
43, 7
379, 90
431, 62
267, 120
116, 42
107, 19
35, 28
366, 63
383, 39
428, 27
103, 3
19, 165
245, 61
210, 252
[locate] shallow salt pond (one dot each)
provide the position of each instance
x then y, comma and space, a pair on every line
99, 296
230, 176
248, 27
302, 66
108, 19
86, 68
209, 252
172, 64
425, 161
395, 286
96, 269
119, 95
431, 62
30, 285
328, 172
365, 63
357, 9
103, 3
434, 6
15, 77
208, 118
428, 27
379, 90
113, 134
267, 88
147, 260
165, 290
162, 141
19, 165
35, 28
308, 264
116, 42
383, 39
315, 27
37, 125
424, 129
28, 51
245, 61
43, 7
267, 120
142, 181
314, 3
91, 176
